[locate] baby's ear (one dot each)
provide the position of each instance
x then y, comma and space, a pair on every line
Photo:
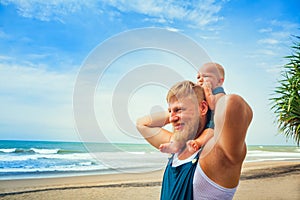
221, 80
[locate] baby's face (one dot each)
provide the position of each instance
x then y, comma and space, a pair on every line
208, 74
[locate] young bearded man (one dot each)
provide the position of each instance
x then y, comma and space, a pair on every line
213, 172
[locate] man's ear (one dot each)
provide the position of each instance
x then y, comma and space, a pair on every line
203, 108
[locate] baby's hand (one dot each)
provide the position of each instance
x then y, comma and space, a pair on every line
206, 85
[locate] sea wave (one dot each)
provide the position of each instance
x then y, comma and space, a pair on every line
48, 159
11, 150
24, 157
87, 166
38, 151
45, 151
44, 165
271, 155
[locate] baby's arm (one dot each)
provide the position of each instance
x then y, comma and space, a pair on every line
209, 96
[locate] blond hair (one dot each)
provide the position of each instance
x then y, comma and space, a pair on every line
186, 89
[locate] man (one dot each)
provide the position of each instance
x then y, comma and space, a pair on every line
215, 175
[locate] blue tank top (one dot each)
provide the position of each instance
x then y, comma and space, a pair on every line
178, 181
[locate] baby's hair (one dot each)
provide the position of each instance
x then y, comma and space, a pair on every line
221, 70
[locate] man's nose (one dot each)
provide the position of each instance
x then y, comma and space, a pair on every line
173, 117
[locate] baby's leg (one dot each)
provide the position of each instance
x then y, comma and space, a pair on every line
172, 147
195, 145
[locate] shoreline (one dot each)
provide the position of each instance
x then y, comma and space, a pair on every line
73, 174
256, 176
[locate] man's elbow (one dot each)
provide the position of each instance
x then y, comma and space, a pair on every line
239, 106
139, 124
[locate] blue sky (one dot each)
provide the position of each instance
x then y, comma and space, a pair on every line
44, 44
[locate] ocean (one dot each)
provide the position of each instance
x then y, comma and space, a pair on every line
41, 159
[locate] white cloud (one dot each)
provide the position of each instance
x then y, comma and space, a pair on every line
49, 10
3, 35
151, 8
173, 29
274, 45
285, 25
199, 13
269, 41
5, 58
265, 30
268, 52
35, 99
278, 32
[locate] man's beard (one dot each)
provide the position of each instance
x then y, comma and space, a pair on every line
189, 132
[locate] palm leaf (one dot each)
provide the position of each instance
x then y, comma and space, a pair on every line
286, 104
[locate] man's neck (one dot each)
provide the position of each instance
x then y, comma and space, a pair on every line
184, 154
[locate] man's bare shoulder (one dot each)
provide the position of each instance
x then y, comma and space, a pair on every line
223, 155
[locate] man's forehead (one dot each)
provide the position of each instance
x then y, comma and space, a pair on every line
179, 102
173, 103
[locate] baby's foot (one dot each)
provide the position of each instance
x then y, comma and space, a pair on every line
192, 146
169, 148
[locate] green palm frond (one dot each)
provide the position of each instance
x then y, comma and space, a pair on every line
286, 104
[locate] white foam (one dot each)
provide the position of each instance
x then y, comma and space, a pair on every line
8, 150
45, 151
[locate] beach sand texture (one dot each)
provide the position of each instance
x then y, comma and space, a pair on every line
259, 180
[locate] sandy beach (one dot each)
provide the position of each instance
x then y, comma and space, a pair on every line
259, 180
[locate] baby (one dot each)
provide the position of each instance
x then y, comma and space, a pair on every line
211, 78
